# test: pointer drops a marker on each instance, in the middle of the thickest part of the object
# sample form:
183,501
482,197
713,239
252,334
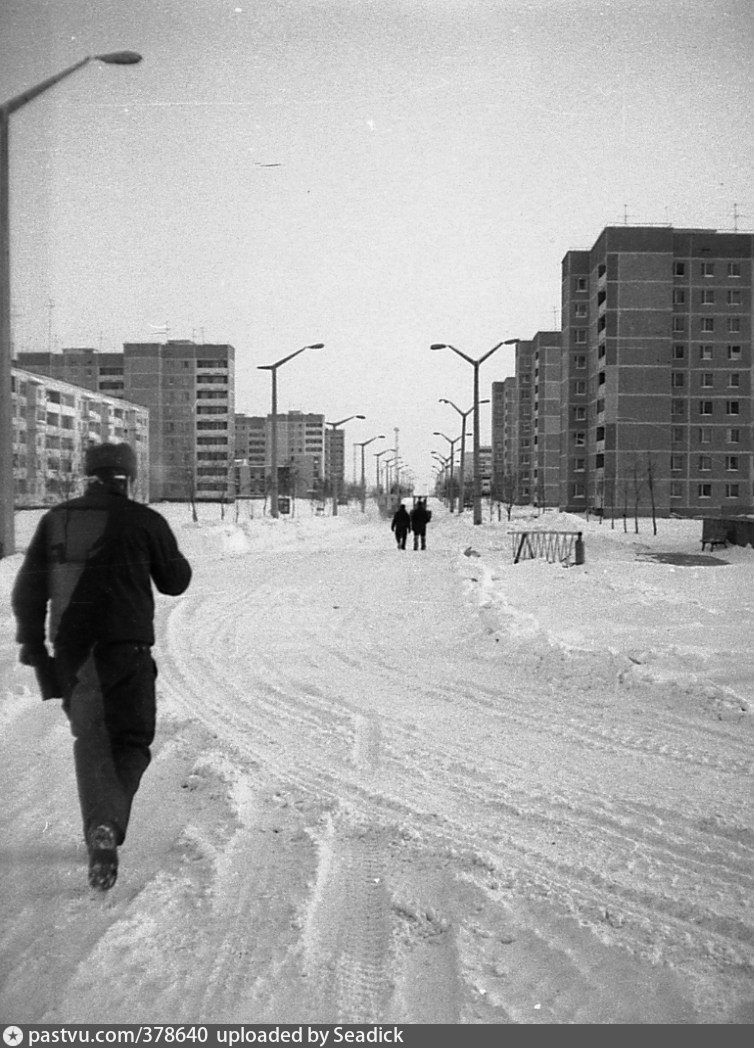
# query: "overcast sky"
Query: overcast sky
434,160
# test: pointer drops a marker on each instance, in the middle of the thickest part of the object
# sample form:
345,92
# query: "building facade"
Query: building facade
657,367
300,452
54,422
189,389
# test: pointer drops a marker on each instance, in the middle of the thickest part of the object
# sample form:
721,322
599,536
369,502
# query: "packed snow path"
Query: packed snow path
376,796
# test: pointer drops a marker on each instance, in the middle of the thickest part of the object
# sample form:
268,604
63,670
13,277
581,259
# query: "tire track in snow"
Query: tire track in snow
458,763
347,931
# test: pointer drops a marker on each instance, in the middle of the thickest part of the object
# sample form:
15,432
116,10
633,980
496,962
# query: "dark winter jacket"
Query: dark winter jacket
401,522
94,559
420,517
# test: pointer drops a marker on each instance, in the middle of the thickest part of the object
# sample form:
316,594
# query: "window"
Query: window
679,269
731,463
678,435
580,362
734,269
579,465
678,379
733,435
579,335
676,489
677,407
705,463
708,269
580,309
679,323
707,324
705,407
679,296
579,414
708,297
705,435
734,379
731,407
731,491
676,463
705,352
734,297
600,435
679,351
734,352
579,439
704,491
581,284
708,379
580,388
734,324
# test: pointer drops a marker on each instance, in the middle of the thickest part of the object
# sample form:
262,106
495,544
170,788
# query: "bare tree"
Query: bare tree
651,485
509,490
637,483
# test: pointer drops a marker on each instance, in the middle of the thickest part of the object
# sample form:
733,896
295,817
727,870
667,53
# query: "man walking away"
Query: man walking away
93,559
420,516
401,525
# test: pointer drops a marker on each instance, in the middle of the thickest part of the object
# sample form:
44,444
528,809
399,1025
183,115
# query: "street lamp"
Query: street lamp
333,478
378,456
476,365
7,529
273,368
462,469
362,444
452,460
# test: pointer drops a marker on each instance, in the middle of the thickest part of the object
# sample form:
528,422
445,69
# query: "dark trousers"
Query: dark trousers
400,537
420,536
109,698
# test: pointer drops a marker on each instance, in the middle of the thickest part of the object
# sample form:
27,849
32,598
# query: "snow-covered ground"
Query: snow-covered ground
406,787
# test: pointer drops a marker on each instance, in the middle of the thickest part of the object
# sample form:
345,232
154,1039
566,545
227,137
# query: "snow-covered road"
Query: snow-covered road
406,786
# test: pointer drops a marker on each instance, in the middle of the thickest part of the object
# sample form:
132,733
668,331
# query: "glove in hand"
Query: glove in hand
33,654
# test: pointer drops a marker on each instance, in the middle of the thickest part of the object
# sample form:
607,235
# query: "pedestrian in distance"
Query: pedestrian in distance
420,516
401,526
85,586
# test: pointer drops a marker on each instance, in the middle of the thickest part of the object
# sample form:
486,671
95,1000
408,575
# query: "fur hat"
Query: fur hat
114,458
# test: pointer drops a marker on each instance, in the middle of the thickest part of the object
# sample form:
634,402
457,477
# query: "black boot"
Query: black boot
103,857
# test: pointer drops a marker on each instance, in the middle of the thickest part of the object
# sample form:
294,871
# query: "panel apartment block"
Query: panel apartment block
546,421
53,424
189,391
657,323
300,451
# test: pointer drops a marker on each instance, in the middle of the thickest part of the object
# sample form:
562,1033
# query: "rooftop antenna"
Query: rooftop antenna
50,307
735,218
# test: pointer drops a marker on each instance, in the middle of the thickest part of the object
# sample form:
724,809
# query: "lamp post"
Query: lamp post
362,444
7,528
378,456
273,369
333,478
389,463
462,467
452,459
443,461
476,365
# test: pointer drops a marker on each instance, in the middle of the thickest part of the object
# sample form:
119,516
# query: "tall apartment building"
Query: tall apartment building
335,457
189,389
526,423
300,450
54,422
656,394
546,418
